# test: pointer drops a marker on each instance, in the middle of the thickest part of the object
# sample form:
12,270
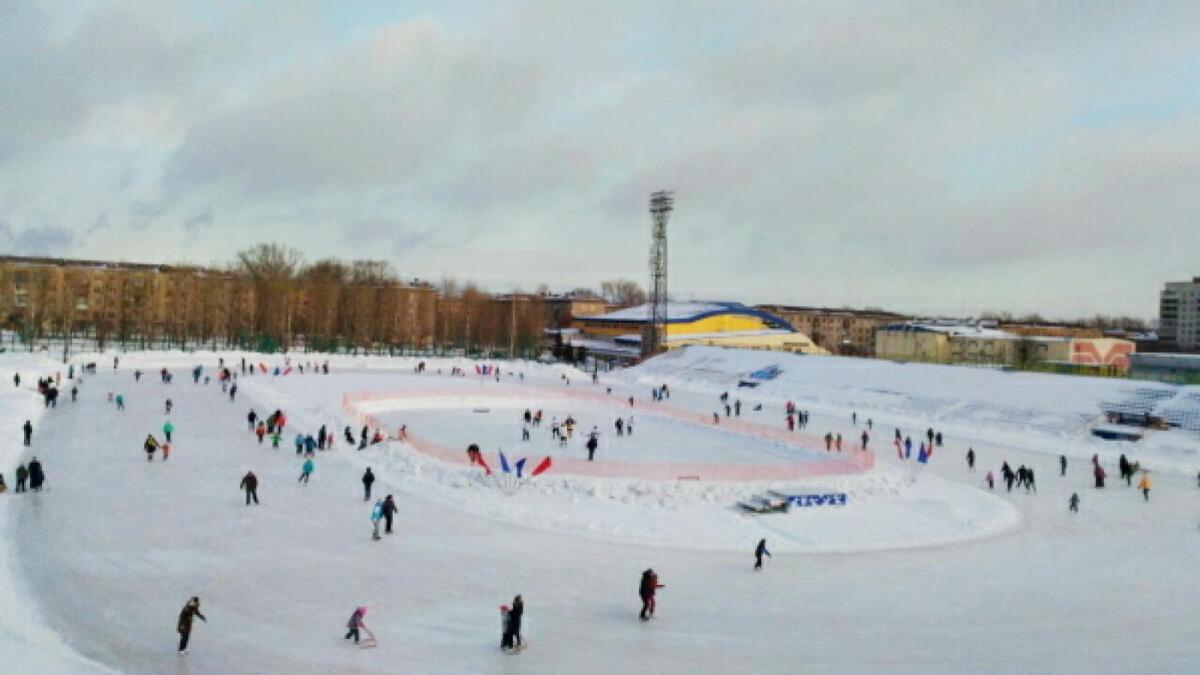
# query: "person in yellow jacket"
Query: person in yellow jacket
1144,486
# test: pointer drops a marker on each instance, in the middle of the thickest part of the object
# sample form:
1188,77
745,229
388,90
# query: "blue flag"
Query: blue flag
504,463
520,466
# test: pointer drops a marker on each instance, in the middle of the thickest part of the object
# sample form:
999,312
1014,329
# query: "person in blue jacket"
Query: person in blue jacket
376,516
299,443
306,471
759,551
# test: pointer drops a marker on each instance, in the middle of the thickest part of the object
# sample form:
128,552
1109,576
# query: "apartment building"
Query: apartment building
839,331
1179,315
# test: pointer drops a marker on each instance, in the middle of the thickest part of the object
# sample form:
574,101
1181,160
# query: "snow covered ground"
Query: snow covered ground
937,575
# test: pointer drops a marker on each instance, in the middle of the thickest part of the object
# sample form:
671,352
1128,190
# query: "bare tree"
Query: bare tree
622,292
272,268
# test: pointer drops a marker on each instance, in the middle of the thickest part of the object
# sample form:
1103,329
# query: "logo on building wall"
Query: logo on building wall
1091,352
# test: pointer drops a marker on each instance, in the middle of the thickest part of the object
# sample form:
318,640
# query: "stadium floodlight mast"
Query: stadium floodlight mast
661,205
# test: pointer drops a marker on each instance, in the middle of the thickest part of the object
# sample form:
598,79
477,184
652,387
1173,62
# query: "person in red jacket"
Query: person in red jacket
260,431
646,591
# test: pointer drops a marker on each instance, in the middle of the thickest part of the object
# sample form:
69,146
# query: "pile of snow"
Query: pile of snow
1053,414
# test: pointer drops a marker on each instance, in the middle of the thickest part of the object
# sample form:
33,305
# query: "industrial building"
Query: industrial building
985,344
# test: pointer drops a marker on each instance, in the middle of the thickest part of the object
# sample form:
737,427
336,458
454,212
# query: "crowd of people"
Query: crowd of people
384,511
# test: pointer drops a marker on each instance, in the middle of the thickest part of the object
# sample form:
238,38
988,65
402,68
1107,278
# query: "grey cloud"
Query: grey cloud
200,220
831,153
48,240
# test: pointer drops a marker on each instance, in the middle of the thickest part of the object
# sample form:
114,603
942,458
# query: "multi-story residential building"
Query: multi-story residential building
839,331
188,305
561,309
1179,315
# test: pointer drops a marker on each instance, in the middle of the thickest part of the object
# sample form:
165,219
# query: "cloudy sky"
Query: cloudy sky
938,157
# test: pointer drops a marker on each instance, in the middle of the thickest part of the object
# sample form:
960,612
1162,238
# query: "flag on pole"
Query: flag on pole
541,467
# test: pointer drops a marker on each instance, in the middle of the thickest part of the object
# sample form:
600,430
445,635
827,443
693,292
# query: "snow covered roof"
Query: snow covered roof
676,311
955,329
684,312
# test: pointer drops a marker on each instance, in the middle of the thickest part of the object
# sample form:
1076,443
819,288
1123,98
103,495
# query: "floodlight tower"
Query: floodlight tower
661,204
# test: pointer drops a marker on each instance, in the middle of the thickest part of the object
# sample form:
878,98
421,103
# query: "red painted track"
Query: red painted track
848,462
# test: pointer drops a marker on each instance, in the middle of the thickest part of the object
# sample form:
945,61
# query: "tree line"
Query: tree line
268,298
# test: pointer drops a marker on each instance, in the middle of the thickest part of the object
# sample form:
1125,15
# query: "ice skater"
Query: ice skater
190,611
250,485
970,459
389,511
759,552
592,443
376,516
28,429
356,624
511,641
167,429
1062,465
305,472
368,480
36,475
150,445
646,591
1073,504
1144,486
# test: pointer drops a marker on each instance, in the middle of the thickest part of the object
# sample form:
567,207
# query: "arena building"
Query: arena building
618,335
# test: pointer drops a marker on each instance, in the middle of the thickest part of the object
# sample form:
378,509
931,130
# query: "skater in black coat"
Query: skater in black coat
759,552
184,627
592,444
250,485
389,511
36,476
28,429
368,480
22,476
513,636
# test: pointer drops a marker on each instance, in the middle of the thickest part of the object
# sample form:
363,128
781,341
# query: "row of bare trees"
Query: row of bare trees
269,298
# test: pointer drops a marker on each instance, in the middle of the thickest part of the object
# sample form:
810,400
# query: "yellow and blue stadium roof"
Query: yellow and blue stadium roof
687,312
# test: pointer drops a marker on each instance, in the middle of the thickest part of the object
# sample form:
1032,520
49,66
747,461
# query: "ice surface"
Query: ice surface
936,576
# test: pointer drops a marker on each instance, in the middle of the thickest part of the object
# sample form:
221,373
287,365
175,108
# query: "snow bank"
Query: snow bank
1046,413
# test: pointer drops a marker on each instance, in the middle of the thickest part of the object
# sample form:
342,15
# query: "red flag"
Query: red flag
263,367
482,463
288,370
541,467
